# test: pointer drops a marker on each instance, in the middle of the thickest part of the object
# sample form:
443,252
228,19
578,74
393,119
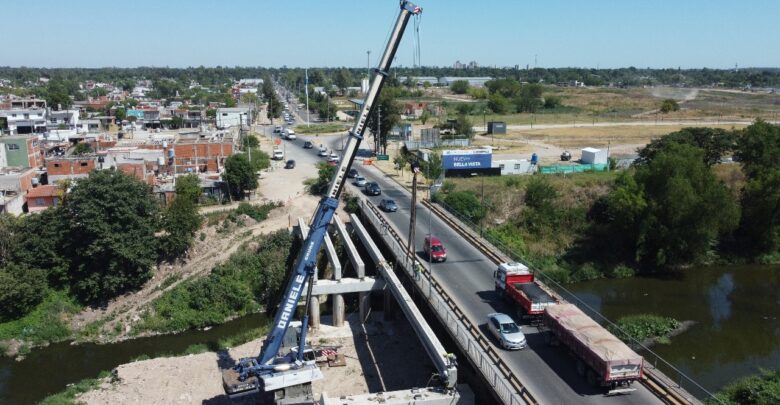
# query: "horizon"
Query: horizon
307,33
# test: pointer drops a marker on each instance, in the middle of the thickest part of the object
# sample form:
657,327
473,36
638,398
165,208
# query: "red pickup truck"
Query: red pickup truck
515,282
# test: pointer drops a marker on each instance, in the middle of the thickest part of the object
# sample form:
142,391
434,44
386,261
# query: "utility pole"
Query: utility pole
378,128
368,64
413,213
306,89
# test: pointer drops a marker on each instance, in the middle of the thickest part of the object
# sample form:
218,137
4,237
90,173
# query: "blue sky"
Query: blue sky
311,33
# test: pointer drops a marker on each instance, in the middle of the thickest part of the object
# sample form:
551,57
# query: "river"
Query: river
736,310
48,370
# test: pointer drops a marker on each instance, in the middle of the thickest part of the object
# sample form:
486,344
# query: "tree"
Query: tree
390,112
251,141
188,187
239,175
180,221
120,114
324,175
676,210
529,98
39,242
433,167
460,86
342,79
669,105
82,148
463,126
425,116
714,142
111,223
57,95
758,150
551,102
21,289
467,204
177,121
498,104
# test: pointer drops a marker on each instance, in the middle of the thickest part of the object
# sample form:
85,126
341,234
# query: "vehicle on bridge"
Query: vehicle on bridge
514,282
506,331
603,359
434,249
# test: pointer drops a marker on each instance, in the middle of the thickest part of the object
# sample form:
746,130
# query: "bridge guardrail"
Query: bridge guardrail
507,386
664,387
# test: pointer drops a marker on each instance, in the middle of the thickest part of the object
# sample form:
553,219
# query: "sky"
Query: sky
319,33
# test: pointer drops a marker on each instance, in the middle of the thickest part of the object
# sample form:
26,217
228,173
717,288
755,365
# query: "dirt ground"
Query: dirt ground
383,356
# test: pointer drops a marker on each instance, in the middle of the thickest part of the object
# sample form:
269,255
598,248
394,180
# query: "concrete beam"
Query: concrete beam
447,369
354,256
346,286
423,396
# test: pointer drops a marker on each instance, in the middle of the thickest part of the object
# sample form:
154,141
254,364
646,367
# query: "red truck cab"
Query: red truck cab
515,282
434,249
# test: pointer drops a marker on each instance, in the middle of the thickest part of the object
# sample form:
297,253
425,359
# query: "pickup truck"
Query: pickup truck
514,282
603,359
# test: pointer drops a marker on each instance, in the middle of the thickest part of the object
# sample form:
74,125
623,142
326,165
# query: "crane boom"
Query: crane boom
280,372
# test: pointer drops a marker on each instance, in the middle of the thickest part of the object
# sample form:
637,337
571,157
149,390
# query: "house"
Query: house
232,117
42,197
69,168
414,109
63,119
25,120
14,184
20,151
26,103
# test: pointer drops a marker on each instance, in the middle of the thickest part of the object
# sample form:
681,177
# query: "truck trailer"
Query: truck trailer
515,282
603,359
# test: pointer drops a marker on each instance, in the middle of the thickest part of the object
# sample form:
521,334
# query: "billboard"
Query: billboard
467,159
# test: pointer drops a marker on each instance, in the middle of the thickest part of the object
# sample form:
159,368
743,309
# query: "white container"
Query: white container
593,156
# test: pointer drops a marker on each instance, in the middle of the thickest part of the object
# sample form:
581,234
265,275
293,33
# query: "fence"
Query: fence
415,145
683,387
595,167
506,385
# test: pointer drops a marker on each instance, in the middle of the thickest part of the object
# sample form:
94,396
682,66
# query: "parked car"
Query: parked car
506,331
308,145
278,154
277,130
352,173
360,181
333,157
434,249
323,152
290,164
372,189
388,205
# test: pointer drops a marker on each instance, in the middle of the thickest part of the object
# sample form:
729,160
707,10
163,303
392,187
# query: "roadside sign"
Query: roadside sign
382,157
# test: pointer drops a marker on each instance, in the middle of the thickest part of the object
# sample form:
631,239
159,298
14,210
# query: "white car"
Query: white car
506,331
278,154
360,181
277,130
290,134
323,152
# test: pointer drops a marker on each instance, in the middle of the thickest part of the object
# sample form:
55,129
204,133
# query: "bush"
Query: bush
21,289
256,212
644,326
237,287
45,323
466,204
763,388
585,272
669,105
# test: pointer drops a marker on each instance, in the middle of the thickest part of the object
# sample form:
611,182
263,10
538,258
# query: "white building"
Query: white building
64,119
514,166
250,82
25,121
232,117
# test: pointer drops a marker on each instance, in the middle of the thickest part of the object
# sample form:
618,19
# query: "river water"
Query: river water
736,310
48,370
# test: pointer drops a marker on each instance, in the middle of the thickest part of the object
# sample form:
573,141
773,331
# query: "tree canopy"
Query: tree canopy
239,175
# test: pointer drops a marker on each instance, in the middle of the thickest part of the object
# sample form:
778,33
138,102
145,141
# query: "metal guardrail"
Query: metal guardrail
500,377
656,381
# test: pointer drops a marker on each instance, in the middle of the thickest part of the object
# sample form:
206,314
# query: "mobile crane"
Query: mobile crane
271,372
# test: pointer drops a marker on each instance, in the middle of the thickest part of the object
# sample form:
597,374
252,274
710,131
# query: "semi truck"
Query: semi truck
603,359
515,282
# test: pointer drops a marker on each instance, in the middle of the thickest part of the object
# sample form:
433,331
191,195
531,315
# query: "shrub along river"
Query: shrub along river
48,370
736,310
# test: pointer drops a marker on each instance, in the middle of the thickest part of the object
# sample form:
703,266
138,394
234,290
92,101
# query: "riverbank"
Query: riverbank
382,356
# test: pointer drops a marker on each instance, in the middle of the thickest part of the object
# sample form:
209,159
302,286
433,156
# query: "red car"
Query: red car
434,249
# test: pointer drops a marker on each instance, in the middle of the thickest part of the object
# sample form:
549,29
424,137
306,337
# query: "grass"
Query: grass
45,323
241,338
644,326
68,397
321,128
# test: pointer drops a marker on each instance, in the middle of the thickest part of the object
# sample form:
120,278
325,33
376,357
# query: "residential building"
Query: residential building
14,184
414,108
20,151
233,117
25,120
63,119
42,197
70,167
